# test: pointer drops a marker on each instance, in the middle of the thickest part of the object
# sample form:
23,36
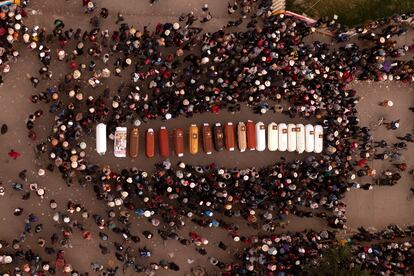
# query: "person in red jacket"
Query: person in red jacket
14,154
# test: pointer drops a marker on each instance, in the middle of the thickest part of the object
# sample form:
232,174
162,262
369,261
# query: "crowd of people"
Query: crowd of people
179,70
11,28
385,252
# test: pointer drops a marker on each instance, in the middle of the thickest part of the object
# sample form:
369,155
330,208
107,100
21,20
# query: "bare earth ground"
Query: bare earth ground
378,208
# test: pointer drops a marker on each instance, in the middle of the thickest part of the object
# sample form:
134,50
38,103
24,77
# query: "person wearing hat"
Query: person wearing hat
90,7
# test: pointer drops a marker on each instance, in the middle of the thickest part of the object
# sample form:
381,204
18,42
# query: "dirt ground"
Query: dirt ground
377,208
384,205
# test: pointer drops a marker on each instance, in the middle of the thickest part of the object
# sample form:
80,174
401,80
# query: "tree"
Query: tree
336,262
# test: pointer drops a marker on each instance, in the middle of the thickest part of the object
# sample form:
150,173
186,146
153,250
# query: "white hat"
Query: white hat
137,122
53,205
26,38
106,73
272,251
176,26
61,53
76,74
8,259
205,60
147,213
40,192
167,32
82,145
136,43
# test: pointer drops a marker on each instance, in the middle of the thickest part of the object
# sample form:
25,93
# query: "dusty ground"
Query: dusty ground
384,205
379,207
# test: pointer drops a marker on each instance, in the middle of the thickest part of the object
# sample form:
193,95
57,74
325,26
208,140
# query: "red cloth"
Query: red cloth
73,65
215,109
362,163
354,145
14,154
87,235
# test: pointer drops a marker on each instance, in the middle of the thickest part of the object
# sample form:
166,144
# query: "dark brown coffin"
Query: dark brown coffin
229,136
207,139
218,137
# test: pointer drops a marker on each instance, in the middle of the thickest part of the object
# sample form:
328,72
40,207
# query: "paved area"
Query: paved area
379,207
384,205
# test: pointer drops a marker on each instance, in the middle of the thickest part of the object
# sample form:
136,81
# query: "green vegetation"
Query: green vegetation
335,263
350,12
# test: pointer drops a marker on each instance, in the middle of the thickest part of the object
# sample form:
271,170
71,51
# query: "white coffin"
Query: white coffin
309,138
101,139
291,145
260,136
283,137
272,137
300,138
318,139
